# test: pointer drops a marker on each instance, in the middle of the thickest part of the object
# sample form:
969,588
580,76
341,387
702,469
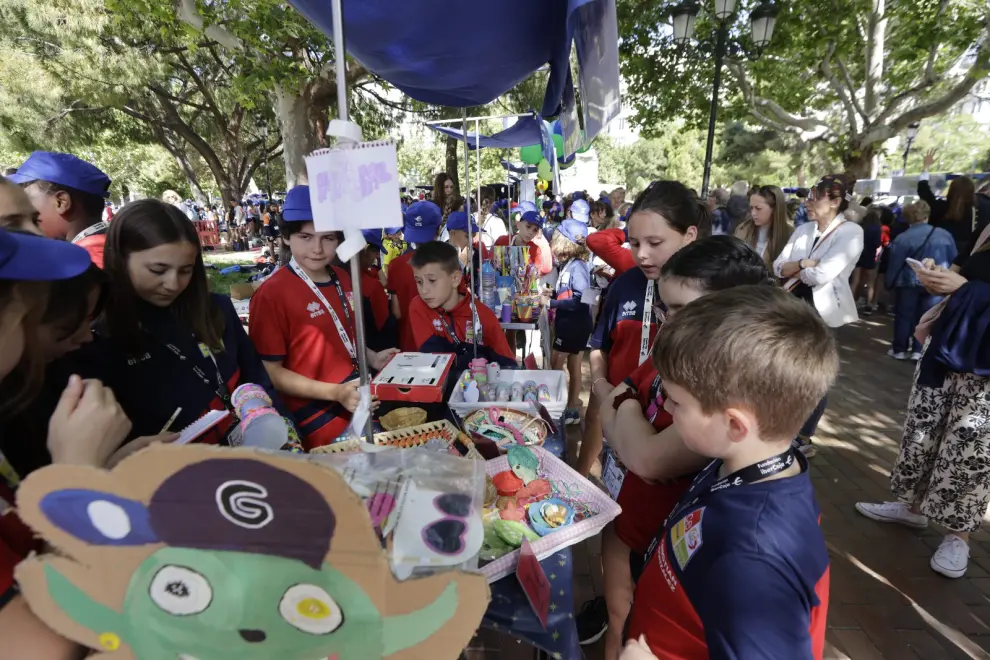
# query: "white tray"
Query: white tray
556,381
554,469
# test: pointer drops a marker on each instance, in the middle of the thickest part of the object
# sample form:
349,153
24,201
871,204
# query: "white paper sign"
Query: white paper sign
354,187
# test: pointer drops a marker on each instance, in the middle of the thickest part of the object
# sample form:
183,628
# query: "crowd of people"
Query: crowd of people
707,323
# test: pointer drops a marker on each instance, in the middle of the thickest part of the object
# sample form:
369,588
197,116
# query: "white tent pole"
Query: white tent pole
467,210
340,60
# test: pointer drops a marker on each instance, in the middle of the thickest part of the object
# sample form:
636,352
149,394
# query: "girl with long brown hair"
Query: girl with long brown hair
767,229
445,193
955,213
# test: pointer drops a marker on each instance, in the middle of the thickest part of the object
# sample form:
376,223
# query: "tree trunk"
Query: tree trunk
451,164
187,169
299,133
860,163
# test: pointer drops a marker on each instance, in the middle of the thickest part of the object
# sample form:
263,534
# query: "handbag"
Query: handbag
924,328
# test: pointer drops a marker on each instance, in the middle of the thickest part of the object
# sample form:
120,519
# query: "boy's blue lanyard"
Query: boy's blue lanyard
344,337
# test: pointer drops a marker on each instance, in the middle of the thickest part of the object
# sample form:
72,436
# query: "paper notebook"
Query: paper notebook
201,426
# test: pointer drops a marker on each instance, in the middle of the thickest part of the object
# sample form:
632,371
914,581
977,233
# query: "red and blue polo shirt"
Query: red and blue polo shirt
291,325
741,572
402,283
428,324
620,324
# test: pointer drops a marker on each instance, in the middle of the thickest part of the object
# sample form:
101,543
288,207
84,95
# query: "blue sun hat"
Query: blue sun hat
296,207
64,170
573,230
421,222
39,259
533,218
581,211
458,220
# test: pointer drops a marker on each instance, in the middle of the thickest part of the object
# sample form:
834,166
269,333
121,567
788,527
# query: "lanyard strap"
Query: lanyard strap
98,228
220,388
747,475
344,337
653,409
644,342
448,325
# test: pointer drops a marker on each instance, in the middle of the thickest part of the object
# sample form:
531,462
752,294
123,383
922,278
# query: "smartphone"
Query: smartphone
915,264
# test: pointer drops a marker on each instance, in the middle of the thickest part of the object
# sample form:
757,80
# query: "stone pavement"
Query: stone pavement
885,600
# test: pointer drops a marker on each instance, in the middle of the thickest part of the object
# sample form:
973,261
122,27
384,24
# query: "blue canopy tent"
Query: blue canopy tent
524,132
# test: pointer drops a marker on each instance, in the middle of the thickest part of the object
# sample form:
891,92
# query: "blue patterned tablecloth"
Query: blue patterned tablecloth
509,611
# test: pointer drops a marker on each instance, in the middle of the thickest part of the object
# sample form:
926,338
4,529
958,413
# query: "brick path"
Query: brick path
885,600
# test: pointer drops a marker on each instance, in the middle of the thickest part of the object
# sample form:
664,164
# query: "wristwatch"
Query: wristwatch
622,398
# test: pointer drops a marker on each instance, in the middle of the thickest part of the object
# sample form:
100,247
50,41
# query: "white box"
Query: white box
556,382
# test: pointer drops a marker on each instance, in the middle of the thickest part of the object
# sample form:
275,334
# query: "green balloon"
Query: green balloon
531,155
561,165
586,146
558,144
544,170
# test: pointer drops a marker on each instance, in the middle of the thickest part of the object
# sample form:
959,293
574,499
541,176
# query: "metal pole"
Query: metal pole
340,62
477,155
907,151
467,210
719,57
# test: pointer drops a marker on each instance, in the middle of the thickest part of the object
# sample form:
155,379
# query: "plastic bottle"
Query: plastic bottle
261,425
489,290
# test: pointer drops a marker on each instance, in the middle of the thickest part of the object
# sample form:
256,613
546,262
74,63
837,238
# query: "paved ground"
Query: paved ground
885,600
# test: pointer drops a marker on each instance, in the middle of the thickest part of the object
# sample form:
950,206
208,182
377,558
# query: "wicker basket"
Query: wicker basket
534,428
403,418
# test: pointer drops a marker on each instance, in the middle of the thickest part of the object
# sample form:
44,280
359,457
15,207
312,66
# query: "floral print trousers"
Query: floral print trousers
944,458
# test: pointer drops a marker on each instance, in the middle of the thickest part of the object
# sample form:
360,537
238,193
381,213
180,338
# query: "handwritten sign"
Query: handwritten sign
355,188
534,582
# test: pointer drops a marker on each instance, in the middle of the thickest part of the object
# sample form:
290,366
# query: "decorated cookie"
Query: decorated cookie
536,490
523,463
513,532
550,515
507,483
491,493
493,546
513,511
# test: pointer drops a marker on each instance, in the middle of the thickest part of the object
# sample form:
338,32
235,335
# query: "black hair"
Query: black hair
68,301
287,229
716,263
435,252
836,186
92,205
679,205
144,225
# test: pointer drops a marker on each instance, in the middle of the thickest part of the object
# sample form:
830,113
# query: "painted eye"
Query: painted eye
180,591
310,609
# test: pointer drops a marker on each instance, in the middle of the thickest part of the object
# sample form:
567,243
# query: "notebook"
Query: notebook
201,426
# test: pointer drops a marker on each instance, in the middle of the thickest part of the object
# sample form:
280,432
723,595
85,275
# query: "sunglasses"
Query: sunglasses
446,535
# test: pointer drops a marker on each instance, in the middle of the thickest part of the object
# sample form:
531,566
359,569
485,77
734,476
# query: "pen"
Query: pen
171,420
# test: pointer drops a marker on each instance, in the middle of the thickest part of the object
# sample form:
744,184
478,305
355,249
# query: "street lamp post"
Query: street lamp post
762,21
912,132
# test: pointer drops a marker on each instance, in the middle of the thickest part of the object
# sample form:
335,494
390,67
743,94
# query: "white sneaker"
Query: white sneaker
952,557
892,512
916,356
898,355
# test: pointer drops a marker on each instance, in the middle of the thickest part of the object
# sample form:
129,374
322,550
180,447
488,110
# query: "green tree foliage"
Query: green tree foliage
847,73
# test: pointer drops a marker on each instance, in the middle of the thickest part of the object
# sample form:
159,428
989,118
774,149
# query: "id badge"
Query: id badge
613,473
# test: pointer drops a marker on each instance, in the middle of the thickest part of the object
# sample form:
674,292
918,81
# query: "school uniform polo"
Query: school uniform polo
402,283
572,320
741,572
440,331
619,331
289,324
94,243
379,325
151,383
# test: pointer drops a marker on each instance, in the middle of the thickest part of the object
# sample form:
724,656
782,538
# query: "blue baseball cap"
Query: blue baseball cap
459,220
297,207
533,218
39,259
525,207
64,170
373,237
581,211
421,222
573,230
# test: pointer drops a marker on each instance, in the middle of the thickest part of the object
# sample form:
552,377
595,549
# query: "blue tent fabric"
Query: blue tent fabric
524,132
425,52
519,169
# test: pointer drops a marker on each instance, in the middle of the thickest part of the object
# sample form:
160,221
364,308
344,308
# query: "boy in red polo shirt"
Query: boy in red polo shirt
441,317
421,224
528,227
740,569
302,323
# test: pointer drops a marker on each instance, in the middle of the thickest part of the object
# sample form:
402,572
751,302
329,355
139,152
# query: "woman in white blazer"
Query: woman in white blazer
816,264
821,254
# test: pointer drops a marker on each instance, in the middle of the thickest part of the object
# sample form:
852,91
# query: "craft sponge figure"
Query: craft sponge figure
196,553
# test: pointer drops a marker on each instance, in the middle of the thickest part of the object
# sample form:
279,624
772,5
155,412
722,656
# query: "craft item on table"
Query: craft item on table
543,393
162,566
434,529
507,483
505,316
402,418
491,493
503,392
513,511
471,392
534,491
506,427
261,424
513,532
494,371
493,546
550,515
529,391
479,370
516,391
523,463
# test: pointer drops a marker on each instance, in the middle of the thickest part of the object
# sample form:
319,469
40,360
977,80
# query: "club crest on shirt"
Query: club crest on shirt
629,308
315,309
350,299
685,537
438,326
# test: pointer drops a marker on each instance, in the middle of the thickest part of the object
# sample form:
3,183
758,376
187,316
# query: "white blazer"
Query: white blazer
837,255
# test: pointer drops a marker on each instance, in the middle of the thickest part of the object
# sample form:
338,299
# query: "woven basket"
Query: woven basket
531,425
403,418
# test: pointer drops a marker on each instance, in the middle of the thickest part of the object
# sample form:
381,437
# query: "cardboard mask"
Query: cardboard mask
201,553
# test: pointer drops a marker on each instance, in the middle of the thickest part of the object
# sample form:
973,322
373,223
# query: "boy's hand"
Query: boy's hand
637,649
377,360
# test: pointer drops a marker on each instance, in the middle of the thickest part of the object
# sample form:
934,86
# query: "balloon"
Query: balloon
556,128
542,185
544,170
586,146
565,163
558,145
531,155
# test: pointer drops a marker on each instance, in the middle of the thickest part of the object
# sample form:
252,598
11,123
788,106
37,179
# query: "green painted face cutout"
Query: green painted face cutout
199,605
